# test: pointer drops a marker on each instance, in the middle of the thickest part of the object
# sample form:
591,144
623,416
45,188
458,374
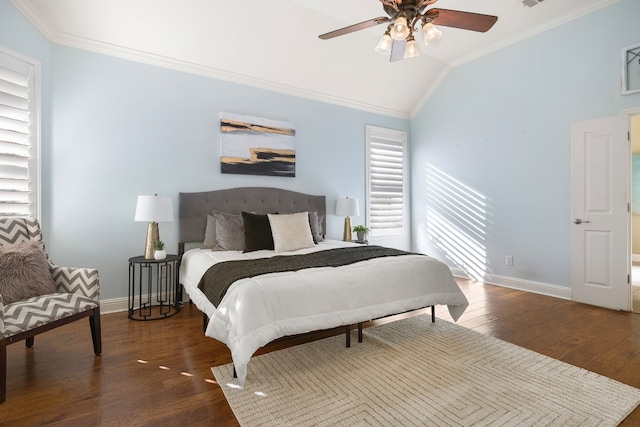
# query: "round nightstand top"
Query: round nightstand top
141,259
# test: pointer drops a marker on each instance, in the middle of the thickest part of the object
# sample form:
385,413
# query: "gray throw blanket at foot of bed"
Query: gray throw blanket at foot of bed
219,277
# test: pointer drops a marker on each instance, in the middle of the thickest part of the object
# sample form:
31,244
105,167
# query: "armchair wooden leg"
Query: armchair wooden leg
3,370
96,332
29,342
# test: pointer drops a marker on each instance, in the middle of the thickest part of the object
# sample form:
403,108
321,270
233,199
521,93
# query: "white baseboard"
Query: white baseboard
115,305
635,258
520,284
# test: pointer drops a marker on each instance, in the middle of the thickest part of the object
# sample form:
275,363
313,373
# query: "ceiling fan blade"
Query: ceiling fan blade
397,50
464,20
355,27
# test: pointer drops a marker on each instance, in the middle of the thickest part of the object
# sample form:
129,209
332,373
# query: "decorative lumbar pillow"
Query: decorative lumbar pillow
257,232
315,222
291,231
229,232
24,272
210,233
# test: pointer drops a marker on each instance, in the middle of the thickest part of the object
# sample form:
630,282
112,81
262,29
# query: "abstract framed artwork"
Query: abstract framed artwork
257,146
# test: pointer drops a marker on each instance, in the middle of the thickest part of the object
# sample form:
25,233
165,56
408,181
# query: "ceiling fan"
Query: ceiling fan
404,15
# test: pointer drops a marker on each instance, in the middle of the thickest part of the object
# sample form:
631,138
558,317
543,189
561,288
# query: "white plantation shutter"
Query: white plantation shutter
386,160
18,137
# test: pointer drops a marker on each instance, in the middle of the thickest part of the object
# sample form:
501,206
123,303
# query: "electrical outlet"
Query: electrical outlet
508,260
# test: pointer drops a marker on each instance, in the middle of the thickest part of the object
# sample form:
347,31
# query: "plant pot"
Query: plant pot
160,254
362,236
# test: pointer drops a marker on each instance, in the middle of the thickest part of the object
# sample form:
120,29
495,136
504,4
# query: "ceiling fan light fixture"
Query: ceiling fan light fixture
404,17
431,34
411,49
384,45
400,29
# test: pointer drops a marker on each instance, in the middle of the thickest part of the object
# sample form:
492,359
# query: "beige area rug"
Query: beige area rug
416,373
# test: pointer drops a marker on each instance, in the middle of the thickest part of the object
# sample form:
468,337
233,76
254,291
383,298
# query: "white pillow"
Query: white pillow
291,231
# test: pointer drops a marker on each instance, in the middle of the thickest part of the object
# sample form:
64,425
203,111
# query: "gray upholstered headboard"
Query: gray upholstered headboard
194,207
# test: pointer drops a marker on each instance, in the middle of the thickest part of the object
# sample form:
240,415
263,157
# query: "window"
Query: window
19,139
386,170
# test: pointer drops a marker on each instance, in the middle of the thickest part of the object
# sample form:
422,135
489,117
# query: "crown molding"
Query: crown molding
34,17
53,36
108,49
202,70
561,19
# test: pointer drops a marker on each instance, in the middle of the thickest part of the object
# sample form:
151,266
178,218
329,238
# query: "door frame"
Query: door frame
630,113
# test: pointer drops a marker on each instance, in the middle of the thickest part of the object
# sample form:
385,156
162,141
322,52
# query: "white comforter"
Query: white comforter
257,310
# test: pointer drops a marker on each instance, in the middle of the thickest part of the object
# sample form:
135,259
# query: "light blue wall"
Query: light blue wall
499,127
120,129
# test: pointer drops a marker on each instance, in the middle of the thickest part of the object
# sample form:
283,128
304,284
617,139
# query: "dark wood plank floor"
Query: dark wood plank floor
158,372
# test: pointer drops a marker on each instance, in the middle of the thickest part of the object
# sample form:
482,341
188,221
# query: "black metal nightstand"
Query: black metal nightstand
144,273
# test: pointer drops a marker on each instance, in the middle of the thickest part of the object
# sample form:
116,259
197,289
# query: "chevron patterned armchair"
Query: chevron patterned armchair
26,310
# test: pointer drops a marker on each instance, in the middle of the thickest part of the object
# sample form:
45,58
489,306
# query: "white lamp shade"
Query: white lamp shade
154,209
347,207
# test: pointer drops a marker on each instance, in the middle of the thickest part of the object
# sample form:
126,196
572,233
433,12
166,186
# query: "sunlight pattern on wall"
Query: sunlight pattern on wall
457,217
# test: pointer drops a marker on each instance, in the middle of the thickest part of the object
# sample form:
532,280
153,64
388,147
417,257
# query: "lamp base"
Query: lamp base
153,235
346,235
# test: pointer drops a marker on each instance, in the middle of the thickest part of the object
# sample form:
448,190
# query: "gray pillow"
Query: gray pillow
315,222
24,272
229,232
210,233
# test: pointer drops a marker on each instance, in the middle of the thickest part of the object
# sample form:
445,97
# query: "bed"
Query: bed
256,310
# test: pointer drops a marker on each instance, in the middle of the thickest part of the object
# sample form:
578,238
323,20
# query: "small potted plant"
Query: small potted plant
160,253
361,231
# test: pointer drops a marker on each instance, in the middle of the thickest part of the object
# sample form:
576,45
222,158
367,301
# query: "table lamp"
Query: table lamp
347,207
153,209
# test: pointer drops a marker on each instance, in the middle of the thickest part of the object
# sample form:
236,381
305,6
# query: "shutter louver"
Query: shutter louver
386,182
15,139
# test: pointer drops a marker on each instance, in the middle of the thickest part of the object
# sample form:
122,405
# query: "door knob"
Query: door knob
580,221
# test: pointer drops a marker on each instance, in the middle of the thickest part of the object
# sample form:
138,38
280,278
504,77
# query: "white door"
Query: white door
600,260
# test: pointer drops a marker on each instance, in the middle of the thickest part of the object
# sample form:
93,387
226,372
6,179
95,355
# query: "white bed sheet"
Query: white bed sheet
256,311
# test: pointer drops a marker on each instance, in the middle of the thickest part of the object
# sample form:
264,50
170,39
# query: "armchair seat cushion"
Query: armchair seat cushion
24,315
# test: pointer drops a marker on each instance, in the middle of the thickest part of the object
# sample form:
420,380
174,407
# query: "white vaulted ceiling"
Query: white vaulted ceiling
274,44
